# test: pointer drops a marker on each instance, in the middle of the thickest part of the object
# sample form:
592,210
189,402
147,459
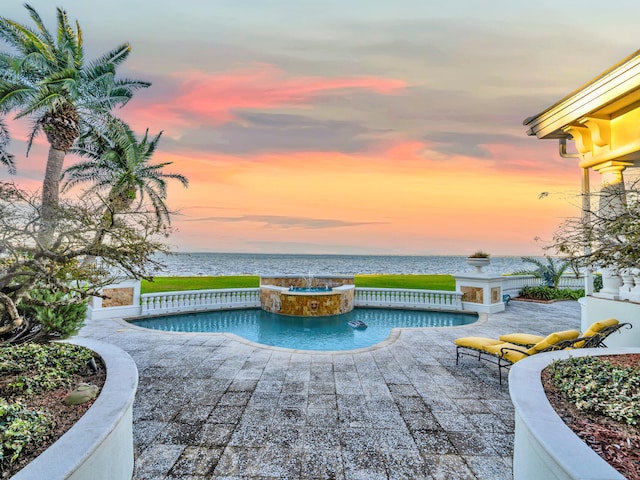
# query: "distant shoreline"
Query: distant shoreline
215,264
452,255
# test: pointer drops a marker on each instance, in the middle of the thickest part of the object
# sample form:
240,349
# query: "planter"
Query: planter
478,262
544,447
100,445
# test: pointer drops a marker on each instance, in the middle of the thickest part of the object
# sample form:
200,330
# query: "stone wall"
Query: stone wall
118,297
310,305
472,294
307,304
496,294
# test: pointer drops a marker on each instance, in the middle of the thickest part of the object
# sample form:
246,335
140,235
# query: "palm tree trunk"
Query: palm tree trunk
51,190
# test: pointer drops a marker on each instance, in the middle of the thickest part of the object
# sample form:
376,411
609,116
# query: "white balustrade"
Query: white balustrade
199,300
514,283
220,299
408,298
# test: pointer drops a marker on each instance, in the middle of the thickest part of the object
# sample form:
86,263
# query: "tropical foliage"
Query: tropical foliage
47,79
549,271
117,166
6,158
543,292
56,253
27,267
596,385
25,370
58,313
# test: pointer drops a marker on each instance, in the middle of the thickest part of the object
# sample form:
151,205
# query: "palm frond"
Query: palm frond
44,32
35,129
114,57
49,72
6,158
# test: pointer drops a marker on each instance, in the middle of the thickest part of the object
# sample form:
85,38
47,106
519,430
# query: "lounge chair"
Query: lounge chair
504,354
593,337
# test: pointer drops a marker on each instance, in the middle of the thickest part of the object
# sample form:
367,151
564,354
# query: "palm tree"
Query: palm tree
5,157
118,164
550,273
48,81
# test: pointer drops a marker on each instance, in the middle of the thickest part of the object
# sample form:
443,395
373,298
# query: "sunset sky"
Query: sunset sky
353,126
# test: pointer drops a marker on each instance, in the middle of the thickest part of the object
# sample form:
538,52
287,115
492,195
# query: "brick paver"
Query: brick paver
211,406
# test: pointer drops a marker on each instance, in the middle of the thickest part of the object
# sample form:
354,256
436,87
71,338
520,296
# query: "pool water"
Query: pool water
306,333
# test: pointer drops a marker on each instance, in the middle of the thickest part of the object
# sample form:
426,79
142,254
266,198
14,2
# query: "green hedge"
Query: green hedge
549,293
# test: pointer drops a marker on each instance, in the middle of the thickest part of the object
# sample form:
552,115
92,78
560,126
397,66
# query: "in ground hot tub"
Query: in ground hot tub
307,296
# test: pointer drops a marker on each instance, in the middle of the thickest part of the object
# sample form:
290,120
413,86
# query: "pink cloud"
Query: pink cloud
215,96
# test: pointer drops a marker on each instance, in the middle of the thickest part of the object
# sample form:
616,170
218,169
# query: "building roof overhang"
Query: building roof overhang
612,93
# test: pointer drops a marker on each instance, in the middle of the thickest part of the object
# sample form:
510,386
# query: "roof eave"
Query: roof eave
603,90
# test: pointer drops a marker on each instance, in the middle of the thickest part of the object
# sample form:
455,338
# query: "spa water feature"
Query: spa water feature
307,296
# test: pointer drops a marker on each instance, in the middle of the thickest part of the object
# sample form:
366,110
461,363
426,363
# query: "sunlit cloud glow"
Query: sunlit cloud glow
352,127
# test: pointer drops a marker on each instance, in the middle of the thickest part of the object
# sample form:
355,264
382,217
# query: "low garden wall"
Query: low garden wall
100,445
544,446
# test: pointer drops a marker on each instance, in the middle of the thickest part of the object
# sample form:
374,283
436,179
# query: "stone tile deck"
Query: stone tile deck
210,406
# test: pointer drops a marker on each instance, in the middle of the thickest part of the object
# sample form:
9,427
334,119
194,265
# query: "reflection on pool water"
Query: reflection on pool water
307,333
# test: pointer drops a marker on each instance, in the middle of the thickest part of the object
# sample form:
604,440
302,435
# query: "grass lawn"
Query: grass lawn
424,282
173,284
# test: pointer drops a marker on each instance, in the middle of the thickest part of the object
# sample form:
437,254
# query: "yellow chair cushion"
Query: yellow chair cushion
515,352
597,327
521,338
479,343
553,339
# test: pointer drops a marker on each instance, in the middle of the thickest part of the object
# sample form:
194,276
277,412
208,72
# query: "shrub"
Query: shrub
58,317
20,428
597,282
543,292
479,254
597,385
33,368
29,369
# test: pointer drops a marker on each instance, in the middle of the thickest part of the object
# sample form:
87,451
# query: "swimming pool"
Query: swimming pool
306,333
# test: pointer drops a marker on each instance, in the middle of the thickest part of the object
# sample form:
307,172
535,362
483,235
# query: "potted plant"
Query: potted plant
478,260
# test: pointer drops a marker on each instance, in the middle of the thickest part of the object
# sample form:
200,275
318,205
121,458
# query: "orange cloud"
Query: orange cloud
398,197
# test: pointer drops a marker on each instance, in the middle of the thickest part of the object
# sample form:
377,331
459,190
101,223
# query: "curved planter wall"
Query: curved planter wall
544,447
100,445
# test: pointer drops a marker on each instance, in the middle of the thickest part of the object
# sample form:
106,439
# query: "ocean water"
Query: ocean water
213,264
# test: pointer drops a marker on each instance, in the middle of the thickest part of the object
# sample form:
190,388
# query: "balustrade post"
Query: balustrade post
627,283
611,283
634,294
143,305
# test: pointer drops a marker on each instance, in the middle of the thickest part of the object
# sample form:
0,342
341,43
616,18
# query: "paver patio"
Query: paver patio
210,406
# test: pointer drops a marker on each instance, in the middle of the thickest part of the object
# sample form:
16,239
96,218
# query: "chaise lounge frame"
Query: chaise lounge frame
592,341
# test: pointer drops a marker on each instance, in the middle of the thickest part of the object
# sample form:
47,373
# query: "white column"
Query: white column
612,201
